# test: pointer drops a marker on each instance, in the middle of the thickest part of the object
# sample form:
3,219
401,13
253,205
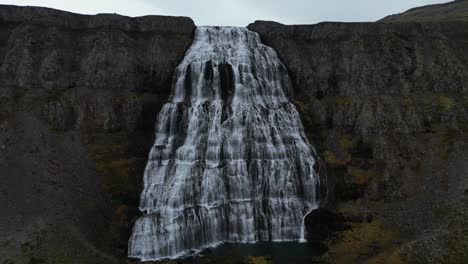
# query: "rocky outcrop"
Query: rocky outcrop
386,105
79,97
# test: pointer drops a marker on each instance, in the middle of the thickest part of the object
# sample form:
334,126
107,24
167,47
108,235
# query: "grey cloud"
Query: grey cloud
243,12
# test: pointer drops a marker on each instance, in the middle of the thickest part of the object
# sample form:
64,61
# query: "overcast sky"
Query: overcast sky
240,12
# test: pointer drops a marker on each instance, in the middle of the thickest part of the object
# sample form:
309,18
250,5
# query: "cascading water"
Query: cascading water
230,162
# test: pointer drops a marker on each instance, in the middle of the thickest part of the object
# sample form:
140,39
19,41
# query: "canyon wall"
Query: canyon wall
385,104
79,98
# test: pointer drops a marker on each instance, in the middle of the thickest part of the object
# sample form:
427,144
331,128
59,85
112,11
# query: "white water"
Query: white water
230,162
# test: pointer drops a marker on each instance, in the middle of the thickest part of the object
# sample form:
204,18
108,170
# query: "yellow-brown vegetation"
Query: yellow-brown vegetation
359,242
334,160
445,101
257,260
361,176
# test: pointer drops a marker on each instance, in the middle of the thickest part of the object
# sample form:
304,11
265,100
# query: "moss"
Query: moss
360,243
450,135
301,107
445,102
101,149
334,160
416,167
116,175
100,120
346,142
115,168
56,131
257,260
119,162
445,155
107,138
408,101
126,97
352,214
361,176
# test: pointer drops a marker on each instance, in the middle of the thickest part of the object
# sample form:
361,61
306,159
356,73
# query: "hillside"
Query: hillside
452,11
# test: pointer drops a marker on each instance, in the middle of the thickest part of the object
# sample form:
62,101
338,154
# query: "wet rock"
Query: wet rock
322,224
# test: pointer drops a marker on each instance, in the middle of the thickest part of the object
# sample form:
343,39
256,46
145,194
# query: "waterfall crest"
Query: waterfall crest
230,161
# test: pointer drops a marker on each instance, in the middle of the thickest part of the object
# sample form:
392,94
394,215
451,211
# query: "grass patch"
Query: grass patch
445,102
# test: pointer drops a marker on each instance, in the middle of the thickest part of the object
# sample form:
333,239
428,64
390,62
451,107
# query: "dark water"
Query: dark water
272,252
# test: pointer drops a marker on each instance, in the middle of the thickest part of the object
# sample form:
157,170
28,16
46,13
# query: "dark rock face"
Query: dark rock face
78,101
50,49
371,59
385,105
322,224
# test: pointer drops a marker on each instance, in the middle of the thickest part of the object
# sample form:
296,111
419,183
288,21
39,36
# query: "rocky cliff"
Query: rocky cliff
79,96
386,106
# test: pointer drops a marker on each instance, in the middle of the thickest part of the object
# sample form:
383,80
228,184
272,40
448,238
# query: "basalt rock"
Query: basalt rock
79,97
385,105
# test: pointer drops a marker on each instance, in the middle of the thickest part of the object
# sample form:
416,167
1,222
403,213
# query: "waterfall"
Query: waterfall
230,161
